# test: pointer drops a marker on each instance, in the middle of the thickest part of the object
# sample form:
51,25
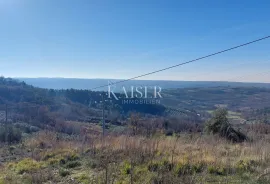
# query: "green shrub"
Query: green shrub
216,170
163,165
188,168
26,165
242,165
166,165
197,168
219,124
26,127
93,163
62,161
73,164
64,173
72,157
48,156
182,169
83,178
53,161
126,168
10,134
60,157
153,166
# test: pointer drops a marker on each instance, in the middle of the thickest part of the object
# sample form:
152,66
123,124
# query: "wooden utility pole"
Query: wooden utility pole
103,116
6,113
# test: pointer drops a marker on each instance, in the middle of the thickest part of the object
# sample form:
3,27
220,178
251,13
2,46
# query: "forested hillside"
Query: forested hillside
13,92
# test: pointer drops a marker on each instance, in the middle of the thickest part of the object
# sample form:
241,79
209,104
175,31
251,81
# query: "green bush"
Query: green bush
219,124
26,165
73,164
72,157
64,172
197,168
216,170
10,134
26,127
166,165
48,156
242,165
83,178
163,165
188,168
126,168
62,161
153,166
182,169
93,163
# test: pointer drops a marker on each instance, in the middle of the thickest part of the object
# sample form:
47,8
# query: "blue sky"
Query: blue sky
122,39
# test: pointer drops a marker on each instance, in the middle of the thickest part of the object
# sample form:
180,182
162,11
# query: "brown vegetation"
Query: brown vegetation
185,158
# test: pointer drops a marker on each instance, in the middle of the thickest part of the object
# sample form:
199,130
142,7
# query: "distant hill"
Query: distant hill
16,93
67,83
188,102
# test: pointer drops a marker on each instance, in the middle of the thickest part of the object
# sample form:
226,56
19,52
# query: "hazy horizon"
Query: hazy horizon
101,84
118,79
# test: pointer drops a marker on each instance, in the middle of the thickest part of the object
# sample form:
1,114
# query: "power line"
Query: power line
187,62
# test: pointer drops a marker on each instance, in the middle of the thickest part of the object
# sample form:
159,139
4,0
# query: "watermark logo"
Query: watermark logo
135,94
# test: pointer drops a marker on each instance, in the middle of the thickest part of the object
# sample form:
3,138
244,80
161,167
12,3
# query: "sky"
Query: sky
120,39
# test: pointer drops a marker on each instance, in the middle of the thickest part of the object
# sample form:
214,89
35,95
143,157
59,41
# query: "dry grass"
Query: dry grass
199,159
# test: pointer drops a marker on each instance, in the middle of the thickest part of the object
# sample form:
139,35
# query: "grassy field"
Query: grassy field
49,157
